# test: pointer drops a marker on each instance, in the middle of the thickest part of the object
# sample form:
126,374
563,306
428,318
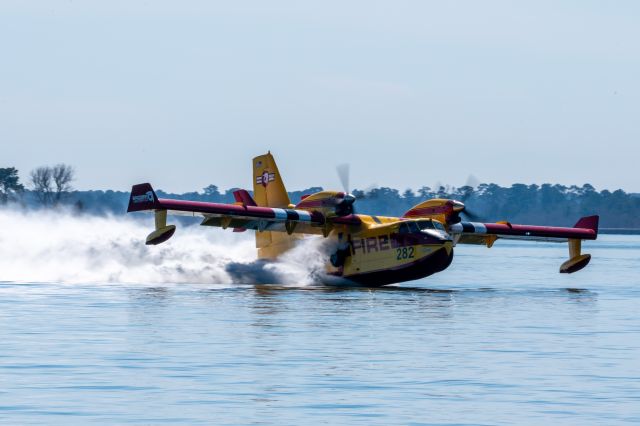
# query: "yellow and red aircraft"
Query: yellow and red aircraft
369,250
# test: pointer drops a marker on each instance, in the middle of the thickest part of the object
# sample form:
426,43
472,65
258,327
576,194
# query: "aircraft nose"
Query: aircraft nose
448,246
458,206
349,199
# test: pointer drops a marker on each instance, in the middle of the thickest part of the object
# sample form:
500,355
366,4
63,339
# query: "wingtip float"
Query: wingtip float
370,250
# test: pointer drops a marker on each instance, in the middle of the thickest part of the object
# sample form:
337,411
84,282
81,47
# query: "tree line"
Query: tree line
50,185
547,204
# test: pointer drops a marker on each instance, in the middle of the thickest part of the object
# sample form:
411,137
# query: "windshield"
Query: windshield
425,224
404,228
409,227
421,225
430,224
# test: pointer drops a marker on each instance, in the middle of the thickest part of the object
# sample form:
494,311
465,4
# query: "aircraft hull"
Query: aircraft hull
436,262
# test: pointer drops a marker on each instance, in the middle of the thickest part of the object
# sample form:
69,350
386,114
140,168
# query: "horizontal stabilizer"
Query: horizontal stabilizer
242,196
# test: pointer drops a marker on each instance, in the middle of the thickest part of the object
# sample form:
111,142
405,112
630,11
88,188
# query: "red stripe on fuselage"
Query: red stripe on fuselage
310,204
351,219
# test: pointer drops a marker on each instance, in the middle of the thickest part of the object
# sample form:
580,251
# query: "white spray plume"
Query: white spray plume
55,246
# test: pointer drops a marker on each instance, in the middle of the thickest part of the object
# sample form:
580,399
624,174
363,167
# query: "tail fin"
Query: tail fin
268,188
142,197
589,222
269,191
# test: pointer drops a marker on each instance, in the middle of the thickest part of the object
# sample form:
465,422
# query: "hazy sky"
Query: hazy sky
184,93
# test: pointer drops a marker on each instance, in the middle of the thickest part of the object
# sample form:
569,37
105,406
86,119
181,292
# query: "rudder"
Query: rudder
269,191
268,188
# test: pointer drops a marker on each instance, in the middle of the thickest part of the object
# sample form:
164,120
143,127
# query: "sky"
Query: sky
183,94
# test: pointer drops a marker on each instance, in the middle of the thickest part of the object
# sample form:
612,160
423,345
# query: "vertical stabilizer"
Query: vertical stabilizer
269,191
268,188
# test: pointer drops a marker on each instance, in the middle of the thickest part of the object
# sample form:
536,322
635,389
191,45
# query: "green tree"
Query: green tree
10,185
409,194
425,192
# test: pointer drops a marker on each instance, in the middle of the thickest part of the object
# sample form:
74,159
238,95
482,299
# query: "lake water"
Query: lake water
498,338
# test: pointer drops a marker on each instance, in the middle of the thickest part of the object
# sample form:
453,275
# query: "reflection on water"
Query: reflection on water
477,344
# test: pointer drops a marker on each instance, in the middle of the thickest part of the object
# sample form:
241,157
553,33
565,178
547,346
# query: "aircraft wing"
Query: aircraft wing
487,233
240,216
479,233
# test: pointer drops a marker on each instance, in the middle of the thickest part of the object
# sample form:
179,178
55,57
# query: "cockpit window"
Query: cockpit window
404,228
430,224
411,227
425,224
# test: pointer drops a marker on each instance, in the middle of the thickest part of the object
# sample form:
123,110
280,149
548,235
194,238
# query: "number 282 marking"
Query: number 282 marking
404,253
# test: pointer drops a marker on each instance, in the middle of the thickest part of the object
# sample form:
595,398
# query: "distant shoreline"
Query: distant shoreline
619,231
545,205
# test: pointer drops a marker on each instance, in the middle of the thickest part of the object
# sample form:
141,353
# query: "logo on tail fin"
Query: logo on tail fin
144,198
265,178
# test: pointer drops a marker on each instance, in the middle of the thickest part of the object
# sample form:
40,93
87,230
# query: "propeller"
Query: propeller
472,181
343,174
346,205
470,216
463,213
468,190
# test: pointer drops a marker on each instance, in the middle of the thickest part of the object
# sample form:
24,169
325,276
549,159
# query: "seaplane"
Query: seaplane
365,249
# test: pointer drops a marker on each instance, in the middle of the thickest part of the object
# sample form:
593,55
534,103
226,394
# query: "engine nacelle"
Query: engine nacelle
329,203
440,209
